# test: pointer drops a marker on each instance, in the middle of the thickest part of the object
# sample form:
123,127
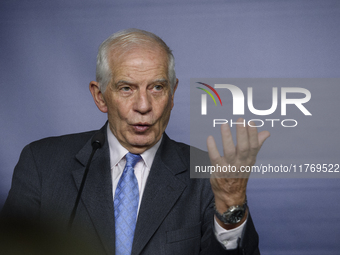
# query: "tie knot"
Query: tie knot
132,159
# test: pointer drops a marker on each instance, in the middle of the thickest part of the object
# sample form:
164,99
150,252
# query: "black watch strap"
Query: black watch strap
233,215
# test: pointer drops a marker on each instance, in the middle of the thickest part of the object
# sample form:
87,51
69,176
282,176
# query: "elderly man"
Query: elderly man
138,197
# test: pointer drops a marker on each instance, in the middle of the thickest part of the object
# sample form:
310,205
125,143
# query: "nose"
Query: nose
142,103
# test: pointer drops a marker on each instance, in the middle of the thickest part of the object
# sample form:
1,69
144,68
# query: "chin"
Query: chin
143,141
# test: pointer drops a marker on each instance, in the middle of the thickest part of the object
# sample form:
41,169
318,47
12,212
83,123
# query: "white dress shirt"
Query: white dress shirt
228,238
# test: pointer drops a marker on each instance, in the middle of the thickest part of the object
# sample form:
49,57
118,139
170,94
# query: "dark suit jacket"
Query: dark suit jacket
175,217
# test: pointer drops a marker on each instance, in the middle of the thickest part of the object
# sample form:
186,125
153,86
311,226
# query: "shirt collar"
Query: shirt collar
117,151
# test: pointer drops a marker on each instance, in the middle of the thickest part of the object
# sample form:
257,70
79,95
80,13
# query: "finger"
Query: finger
228,143
242,140
214,155
253,139
262,136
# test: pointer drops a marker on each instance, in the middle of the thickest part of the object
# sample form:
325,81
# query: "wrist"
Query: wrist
231,214
224,203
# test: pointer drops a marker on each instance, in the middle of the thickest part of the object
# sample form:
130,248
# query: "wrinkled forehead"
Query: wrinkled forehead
120,56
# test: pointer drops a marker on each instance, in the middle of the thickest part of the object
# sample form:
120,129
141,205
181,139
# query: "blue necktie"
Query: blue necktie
126,205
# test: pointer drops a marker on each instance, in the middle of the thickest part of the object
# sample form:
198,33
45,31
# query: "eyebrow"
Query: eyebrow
131,83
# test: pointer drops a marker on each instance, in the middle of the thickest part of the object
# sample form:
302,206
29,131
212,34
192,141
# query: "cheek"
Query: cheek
165,111
118,109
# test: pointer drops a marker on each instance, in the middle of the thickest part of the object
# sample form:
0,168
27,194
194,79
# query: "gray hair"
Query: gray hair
126,39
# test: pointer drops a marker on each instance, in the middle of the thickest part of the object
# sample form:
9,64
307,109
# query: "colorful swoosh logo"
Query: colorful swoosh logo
208,92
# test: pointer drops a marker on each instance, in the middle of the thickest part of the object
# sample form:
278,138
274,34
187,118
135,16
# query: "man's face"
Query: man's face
139,99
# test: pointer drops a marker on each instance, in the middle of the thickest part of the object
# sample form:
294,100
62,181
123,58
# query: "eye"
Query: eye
158,87
125,89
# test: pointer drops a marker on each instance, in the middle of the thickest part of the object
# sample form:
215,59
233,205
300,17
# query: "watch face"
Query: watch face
233,215
236,216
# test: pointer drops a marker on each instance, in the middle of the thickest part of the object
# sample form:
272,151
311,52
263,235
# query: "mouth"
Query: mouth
141,127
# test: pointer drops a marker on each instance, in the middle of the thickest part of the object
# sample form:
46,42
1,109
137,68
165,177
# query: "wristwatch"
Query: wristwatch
233,215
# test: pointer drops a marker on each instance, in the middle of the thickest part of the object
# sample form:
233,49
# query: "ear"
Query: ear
98,96
173,94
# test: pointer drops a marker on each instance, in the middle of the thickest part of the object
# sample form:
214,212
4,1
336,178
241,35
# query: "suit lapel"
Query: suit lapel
162,191
97,194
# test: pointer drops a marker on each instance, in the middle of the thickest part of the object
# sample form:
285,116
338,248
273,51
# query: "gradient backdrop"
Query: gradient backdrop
48,55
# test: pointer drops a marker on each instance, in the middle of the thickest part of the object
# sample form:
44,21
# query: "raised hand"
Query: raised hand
230,187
